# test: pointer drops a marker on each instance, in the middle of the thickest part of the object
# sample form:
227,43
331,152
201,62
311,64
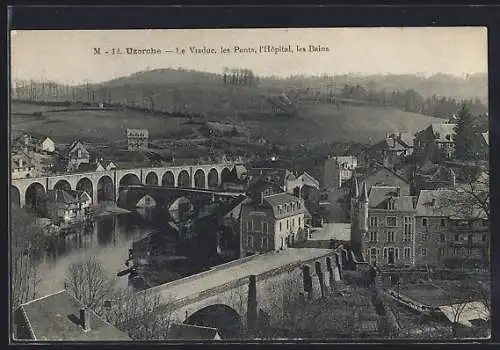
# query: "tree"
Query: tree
88,281
466,140
143,315
26,240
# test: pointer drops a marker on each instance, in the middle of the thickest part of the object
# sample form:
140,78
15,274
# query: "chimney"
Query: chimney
85,319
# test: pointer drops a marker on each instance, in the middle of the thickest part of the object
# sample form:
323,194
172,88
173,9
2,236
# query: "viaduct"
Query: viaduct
238,296
105,185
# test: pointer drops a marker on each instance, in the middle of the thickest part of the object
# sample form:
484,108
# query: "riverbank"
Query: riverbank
108,210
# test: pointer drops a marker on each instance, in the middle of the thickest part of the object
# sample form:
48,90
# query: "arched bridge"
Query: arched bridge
236,296
130,195
105,185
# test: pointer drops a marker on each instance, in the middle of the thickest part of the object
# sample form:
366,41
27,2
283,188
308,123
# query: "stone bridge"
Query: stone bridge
130,195
105,185
237,296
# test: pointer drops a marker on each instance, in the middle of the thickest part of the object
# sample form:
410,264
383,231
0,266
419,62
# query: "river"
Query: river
109,241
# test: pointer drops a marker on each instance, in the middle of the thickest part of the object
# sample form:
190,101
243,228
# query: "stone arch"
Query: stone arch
213,178
129,179
84,184
199,179
307,280
151,178
36,198
62,185
105,189
220,316
15,195
225,175
183,180
168,179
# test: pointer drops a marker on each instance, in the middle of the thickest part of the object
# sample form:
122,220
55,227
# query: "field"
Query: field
92,126
314,123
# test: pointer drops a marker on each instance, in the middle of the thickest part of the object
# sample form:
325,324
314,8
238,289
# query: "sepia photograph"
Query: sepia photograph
274,184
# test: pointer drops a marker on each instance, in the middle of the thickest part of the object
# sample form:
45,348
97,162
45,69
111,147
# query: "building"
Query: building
277,176
191,332
271,223
392,150
67,205
46,144
137,139
384,225
450,228
338,170
61,317
435,138
75,155
435,227
307,188
22,167
433,177
383,176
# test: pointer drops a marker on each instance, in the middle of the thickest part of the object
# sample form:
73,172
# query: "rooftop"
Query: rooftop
447,203
380,195
255,265
57,317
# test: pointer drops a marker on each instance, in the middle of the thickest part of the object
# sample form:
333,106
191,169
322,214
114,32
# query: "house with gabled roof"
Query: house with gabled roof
436,137
61,317
75,154
67,205
272,223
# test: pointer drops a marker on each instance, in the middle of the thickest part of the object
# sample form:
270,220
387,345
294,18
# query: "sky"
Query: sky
68,56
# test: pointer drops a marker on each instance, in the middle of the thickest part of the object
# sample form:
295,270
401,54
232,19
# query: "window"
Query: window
396,252
299,221
425,237
443,222
281,228
279,210
391,221
385,252
390,204
441,252
442,238
298,205
484,238
457,237
424,222
264,227
407,252
250,241
292,206
250,225
408,228
373,236
390,236
424,252
264,242
373,221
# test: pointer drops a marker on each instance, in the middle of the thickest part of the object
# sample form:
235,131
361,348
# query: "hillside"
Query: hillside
314,123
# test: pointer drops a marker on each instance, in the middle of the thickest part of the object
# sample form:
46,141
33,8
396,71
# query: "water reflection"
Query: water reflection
109,239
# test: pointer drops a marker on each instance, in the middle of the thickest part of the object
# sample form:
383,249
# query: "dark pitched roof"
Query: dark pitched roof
192,332
57,317
63,196
380,195
87,167
280,199
380,168
447,203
